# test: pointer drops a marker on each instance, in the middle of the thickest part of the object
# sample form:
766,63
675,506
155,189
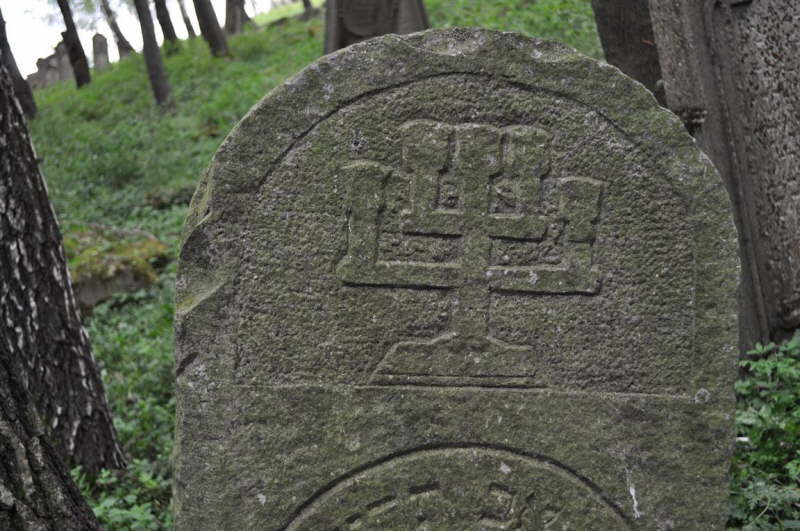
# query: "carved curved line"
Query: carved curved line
344,481
512,83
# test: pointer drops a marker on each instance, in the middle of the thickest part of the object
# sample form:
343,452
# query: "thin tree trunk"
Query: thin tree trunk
164,20
628,42
77,58
308,10
123,46
235,16
186,20
21,87
209,28
36,491
152,56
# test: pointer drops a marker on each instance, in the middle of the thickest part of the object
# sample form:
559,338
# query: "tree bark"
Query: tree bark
40,315
21,87
36,491
209,28
77,58
628,42
186,20
308,10
731,71
152,55
164,20
123,46
235,16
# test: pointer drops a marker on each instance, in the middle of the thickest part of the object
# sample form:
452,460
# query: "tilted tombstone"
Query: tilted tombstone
350,21
459,280
100,51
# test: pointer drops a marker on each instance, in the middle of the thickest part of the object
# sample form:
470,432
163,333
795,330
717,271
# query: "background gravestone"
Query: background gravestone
100,51
63,66
731,69
471,281
350,21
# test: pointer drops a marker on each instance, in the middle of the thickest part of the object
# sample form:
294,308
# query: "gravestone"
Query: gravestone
731,69
100,51
350,21
63,68
459,280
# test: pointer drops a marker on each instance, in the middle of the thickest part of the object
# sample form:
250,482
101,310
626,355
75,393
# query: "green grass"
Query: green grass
112,157
284,11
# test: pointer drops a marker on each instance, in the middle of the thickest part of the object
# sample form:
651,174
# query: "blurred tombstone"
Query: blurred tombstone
62,64
351,21
100,51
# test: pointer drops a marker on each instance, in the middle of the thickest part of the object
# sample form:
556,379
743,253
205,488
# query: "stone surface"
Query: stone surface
350,21
100,51
104,261
730,69
52,69
456,280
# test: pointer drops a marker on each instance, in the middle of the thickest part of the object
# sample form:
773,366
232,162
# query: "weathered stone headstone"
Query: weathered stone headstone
731,69
456,280
100,51
350,21
63,66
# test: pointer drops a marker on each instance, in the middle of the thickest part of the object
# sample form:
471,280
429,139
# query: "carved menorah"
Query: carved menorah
499,197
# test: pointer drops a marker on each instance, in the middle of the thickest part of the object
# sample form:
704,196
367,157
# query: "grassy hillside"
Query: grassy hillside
112,158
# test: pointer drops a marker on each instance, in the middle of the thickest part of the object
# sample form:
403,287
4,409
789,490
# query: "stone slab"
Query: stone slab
461,279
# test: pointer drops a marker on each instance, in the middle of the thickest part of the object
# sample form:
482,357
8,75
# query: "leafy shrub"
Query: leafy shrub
766,468
132,499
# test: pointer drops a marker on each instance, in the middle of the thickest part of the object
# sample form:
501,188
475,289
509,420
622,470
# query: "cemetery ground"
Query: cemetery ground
112,158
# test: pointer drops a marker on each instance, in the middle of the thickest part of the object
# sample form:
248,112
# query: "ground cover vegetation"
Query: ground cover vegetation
113,158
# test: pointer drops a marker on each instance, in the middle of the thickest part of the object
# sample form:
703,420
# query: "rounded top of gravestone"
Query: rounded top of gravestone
414,198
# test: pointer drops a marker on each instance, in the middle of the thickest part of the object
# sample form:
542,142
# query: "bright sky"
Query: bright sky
31,35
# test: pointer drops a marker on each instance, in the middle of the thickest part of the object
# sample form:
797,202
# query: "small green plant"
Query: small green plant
766,467
131,499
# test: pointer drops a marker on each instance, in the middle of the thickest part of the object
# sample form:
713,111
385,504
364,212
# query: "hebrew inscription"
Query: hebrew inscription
467,489
490,190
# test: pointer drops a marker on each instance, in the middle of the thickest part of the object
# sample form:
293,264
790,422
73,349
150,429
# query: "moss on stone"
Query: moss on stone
103,260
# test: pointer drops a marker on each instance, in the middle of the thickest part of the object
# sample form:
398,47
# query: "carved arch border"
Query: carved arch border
345,481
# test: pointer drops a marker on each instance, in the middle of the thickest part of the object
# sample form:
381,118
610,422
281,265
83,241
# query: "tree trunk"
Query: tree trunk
164,20
308,10
235,16
40,313
186,20
628,42
77,58
36,491
46,369
123,46
209,28
731,71
21,87
152,55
